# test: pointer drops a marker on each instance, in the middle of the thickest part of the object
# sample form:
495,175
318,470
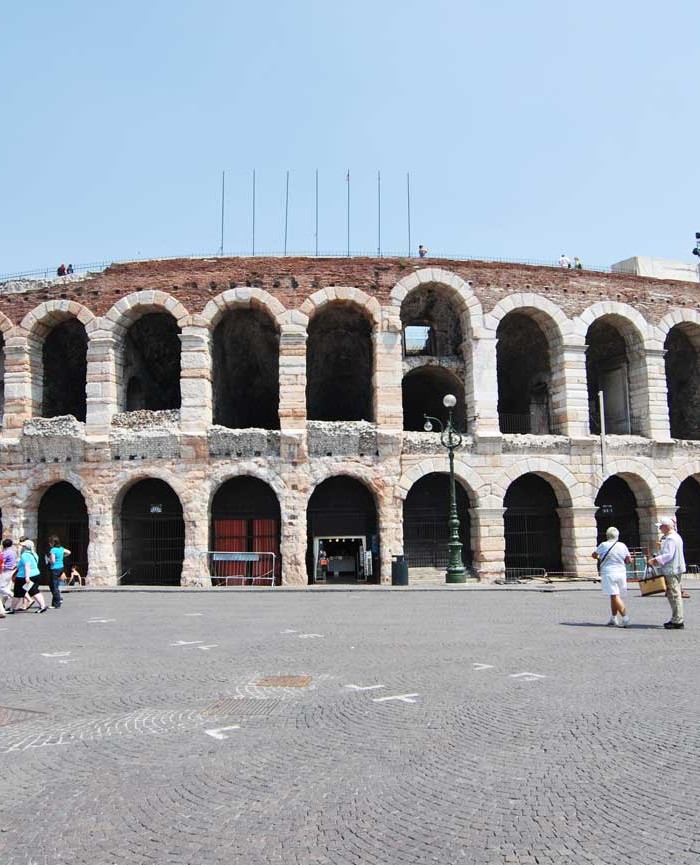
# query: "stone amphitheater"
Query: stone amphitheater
157,412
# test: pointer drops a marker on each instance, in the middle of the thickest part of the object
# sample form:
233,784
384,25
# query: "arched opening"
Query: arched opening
339,365
615,366
617,506
422,392
688,519
426,530
64,365
531,528
431,323
524,376
152,535
342,523
682,361
62,512
151,366
2,379
245,518
246,370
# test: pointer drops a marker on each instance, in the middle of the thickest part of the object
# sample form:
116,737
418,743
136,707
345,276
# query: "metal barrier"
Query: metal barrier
239,568
514,575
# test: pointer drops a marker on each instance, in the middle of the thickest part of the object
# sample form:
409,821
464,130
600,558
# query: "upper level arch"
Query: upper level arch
460,292
369,306
244,297
133,306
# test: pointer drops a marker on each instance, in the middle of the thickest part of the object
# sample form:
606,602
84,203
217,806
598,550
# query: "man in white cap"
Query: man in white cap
670,562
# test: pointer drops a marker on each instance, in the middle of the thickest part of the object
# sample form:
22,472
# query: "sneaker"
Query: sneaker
625,622
673,626
42,609
612,622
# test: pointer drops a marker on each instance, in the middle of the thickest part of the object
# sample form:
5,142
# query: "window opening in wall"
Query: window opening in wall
152,363
688,519
426,530
682,360
418,339
339,360
152,539
608,369
524,376
2,379
343,509
422,392
62,512
245,517
64,365
531,528
617,506
246,370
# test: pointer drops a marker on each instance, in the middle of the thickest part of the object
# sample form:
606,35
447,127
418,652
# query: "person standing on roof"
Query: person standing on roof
564,261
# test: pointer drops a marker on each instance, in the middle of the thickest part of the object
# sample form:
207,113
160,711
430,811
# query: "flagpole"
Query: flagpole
316,235
286,213
408,212
253,211
348,180
223,196
379,214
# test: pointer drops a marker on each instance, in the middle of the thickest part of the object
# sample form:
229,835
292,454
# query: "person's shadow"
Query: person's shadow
632,627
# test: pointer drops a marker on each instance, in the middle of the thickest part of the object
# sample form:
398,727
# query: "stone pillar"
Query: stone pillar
196,518
101,385
570,392
388,369
18,392
293,530
390,520
482,397
102,559
488,543
13,518
195,379
292,385
578,540
657,423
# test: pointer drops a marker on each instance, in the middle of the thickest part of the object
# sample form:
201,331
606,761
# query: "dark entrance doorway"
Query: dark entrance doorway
245,517
342,510
617,506
531,527
62,512
153,535
688,519
426,530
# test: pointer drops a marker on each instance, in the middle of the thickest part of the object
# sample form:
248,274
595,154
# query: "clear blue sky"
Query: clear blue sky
529,128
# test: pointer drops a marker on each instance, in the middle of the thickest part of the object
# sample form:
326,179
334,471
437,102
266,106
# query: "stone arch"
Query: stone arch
556,326
244,297
637,325
223,474
471,481
680,331
6,328
131,307
534,525
353,296
570,492
469,306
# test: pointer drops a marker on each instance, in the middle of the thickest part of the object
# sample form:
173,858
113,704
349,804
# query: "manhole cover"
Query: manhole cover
241,706
9,715
284,682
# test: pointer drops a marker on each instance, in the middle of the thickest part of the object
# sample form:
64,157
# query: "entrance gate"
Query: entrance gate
153,535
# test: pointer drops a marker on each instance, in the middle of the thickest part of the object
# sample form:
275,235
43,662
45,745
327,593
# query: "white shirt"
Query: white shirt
614,564
564,262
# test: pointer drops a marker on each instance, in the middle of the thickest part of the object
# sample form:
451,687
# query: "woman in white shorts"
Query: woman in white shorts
612,555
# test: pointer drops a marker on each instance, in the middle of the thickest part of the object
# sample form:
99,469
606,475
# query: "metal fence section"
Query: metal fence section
239,568
96,267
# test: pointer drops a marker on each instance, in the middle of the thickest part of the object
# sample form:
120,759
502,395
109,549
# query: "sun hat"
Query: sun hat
665,521
28,544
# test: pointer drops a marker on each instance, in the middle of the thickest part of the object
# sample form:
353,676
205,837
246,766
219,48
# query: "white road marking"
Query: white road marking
403,698
307,636
193,614
483,666
364,687
289,631
55,654
187,642
206,648
527,677
99,621
218,732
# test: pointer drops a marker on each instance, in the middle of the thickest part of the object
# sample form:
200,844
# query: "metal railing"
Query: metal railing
98,266
521,424
622,425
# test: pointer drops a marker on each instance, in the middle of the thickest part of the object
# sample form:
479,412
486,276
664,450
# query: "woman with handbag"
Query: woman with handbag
611,557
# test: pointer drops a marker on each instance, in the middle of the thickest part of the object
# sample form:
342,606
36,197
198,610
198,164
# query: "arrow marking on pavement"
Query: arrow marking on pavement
483,666
206,648
219,732
187,642
55,654
403,698
364,687
527,677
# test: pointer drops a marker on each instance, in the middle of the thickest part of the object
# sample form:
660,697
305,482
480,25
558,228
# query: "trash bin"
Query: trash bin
399,571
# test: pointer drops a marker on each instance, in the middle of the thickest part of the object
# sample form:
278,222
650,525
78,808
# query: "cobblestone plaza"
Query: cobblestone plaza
479,725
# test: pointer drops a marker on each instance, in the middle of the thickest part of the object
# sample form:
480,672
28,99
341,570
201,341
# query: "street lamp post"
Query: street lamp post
451,439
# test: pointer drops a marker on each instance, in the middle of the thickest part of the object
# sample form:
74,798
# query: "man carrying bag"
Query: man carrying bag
670,562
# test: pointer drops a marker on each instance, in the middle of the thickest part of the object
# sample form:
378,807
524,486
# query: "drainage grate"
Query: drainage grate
284,682
241,706
8,715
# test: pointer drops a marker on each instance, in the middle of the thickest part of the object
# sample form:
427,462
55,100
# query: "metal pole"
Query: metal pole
286,213
408,201
253,211
456,572
316,235
379,214
603,455
223,196
348,181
